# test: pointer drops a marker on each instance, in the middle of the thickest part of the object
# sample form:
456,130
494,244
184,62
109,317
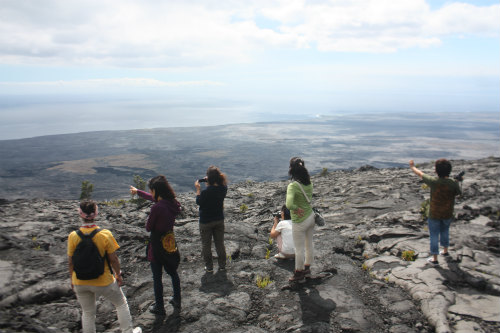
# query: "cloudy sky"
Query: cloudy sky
70,66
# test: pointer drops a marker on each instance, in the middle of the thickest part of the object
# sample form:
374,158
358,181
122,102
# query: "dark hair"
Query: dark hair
214,176
443,168
286,212
88,206
298,171
161,187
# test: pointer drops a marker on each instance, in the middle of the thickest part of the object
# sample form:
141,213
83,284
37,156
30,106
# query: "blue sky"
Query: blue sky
73,66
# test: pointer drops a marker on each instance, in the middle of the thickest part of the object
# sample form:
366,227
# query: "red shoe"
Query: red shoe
298,276
307,271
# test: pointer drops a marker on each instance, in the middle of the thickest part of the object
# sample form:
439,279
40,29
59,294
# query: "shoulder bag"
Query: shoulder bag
318,218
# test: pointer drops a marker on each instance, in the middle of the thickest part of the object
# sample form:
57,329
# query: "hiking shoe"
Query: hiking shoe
137,330
307,271
279,255
444,254
432,261
209,270
298,276
175,302
157,310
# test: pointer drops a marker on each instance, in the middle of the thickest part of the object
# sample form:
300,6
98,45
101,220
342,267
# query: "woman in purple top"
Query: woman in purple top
160,223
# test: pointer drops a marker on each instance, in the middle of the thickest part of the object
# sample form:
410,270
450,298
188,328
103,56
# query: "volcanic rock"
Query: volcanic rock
363,283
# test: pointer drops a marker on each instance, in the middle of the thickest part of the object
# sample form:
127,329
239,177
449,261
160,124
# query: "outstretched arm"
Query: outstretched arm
415,170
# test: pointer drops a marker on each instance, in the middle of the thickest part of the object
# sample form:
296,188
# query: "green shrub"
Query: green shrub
87,188
408,255
324,172
243,208
139,184
424,209
263,282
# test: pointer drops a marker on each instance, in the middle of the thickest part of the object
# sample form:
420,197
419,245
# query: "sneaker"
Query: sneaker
137,330
209,270
176,303
279,255
307,271
444,254
156,310
432,261
298,276
222,269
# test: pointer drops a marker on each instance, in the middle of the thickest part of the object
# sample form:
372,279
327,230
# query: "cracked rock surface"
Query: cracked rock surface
363,285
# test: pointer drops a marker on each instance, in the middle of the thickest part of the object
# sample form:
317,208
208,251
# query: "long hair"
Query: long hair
161,187
298,171
215,176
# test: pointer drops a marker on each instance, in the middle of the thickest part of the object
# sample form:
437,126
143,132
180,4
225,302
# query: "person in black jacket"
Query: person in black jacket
211,202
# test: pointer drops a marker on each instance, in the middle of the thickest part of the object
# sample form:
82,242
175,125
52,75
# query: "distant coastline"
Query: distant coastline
53,167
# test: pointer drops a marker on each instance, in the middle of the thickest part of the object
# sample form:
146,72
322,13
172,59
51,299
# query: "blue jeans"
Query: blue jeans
439,231
157,270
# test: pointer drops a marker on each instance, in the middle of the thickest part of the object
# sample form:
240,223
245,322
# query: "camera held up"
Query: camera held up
460,176
202,180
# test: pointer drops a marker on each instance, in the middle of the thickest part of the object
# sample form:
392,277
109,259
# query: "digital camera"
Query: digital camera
460,176
277,214
202,180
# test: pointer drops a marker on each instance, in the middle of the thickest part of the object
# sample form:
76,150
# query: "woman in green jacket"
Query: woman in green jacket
302,218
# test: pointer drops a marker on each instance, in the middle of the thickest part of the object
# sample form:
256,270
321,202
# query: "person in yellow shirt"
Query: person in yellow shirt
108,284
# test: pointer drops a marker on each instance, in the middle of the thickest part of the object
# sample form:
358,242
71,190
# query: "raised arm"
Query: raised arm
415,169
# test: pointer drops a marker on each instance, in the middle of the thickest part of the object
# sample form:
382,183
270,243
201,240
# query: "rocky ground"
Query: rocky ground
373,218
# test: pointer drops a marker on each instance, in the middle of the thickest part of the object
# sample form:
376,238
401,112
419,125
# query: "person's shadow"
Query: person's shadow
456,278
315,309
216,283
171,323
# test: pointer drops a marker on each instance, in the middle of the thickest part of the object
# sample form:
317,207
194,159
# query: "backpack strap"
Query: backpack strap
91,235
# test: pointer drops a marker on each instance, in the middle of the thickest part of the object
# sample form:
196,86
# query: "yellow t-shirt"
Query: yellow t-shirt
105,242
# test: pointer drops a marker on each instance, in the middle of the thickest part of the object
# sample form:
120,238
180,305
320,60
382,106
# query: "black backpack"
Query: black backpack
87,261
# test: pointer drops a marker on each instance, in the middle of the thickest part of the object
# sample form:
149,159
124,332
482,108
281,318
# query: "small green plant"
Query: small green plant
250,195
268,253
115,203
243,208
424,209
324,172
139,184
87,188
425,187
364,267
229,258
408,255
263,282
386,278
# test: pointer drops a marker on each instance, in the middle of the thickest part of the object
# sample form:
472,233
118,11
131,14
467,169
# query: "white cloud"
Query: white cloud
103,84
161,34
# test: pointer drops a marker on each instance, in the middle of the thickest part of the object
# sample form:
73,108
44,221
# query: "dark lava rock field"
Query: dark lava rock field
372,218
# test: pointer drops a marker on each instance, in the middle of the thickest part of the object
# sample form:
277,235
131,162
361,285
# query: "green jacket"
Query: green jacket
295,199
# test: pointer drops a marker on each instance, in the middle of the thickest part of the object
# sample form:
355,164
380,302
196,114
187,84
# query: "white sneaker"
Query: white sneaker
279,255
137,330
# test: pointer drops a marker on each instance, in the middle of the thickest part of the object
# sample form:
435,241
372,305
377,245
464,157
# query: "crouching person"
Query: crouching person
282,232
91,254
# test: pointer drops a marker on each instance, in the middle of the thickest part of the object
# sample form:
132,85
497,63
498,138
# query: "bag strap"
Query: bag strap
91,235
304,192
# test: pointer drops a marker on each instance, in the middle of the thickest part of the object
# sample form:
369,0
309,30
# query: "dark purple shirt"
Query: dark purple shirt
162,215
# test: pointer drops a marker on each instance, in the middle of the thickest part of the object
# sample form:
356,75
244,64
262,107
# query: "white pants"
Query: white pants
87,295
303,240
